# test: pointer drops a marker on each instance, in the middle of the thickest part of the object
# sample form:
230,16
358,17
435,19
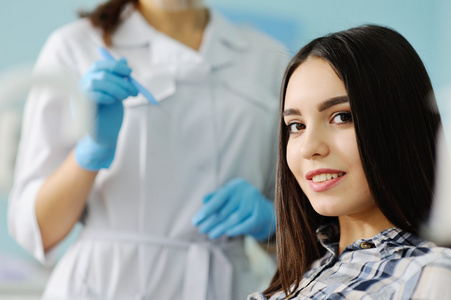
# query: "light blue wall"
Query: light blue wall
25,24
418,20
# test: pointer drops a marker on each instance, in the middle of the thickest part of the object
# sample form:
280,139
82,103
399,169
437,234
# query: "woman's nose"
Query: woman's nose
314,144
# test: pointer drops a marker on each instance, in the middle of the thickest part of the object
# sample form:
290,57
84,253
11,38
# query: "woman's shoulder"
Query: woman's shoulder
435,275
439,255
71,46
79,31
427,257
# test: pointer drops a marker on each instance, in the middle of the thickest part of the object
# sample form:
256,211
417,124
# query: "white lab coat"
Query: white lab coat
216,120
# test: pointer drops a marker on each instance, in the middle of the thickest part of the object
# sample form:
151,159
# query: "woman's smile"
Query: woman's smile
324,179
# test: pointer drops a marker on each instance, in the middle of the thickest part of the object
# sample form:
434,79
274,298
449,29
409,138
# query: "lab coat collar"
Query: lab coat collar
226,32
221,38
221,41
134,30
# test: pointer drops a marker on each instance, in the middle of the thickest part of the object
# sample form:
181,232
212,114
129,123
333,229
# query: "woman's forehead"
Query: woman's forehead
313,81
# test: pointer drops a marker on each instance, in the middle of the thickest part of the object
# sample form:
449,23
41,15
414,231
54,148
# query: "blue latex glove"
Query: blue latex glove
236,209
106,83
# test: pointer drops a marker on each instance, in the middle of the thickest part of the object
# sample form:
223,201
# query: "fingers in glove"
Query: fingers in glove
245,227
208,197
218,217
213,205
119,68
118,88
209,223
233,220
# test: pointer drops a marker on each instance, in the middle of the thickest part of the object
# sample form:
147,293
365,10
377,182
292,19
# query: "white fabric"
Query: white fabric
216,120
200,259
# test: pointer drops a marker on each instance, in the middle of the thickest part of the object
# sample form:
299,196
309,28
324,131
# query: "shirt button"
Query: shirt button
367,245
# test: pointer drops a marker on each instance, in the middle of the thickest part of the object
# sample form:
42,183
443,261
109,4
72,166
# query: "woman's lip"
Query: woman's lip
311,174
325,185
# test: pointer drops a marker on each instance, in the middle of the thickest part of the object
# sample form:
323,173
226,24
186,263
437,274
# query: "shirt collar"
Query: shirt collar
386,242
392,240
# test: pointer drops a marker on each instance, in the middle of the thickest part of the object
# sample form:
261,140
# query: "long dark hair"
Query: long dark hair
107,16
396,120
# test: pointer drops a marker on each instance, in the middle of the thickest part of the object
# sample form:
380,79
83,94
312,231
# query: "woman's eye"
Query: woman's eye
295,127
342,118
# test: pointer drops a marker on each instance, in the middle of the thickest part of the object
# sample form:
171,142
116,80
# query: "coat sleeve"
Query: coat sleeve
42,148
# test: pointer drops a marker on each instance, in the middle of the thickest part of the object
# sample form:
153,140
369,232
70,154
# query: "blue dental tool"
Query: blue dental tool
107,55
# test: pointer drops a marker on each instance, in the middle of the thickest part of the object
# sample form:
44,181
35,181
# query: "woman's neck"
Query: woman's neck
353,228
185,26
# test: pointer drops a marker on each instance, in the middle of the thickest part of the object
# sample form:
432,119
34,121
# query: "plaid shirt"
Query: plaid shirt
393,265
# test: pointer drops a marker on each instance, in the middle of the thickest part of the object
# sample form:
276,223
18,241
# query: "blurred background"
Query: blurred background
25,25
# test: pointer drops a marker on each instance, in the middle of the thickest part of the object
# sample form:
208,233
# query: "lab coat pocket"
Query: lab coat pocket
159,81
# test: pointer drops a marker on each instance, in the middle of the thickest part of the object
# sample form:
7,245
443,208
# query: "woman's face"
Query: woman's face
322,150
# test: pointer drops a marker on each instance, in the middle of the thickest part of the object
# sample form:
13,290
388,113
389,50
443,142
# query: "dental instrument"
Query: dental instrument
107,55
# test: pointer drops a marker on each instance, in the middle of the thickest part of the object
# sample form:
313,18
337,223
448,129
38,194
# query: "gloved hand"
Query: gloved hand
106,84
238,208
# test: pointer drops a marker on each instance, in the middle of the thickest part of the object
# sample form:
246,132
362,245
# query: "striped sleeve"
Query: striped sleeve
434,281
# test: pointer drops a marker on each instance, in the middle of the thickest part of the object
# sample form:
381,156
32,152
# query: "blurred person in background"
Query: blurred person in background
165,192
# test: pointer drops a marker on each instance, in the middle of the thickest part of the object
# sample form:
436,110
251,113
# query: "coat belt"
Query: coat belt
205,261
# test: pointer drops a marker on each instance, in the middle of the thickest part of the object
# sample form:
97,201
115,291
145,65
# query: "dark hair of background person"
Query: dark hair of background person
107,16
396,120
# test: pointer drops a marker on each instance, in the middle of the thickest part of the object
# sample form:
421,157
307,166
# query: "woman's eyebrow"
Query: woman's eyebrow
321,107
331,102
291,112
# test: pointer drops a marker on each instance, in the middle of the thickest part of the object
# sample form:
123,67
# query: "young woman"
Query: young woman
355,175
139,181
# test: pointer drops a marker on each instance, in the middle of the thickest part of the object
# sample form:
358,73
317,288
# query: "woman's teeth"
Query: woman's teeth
324,177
